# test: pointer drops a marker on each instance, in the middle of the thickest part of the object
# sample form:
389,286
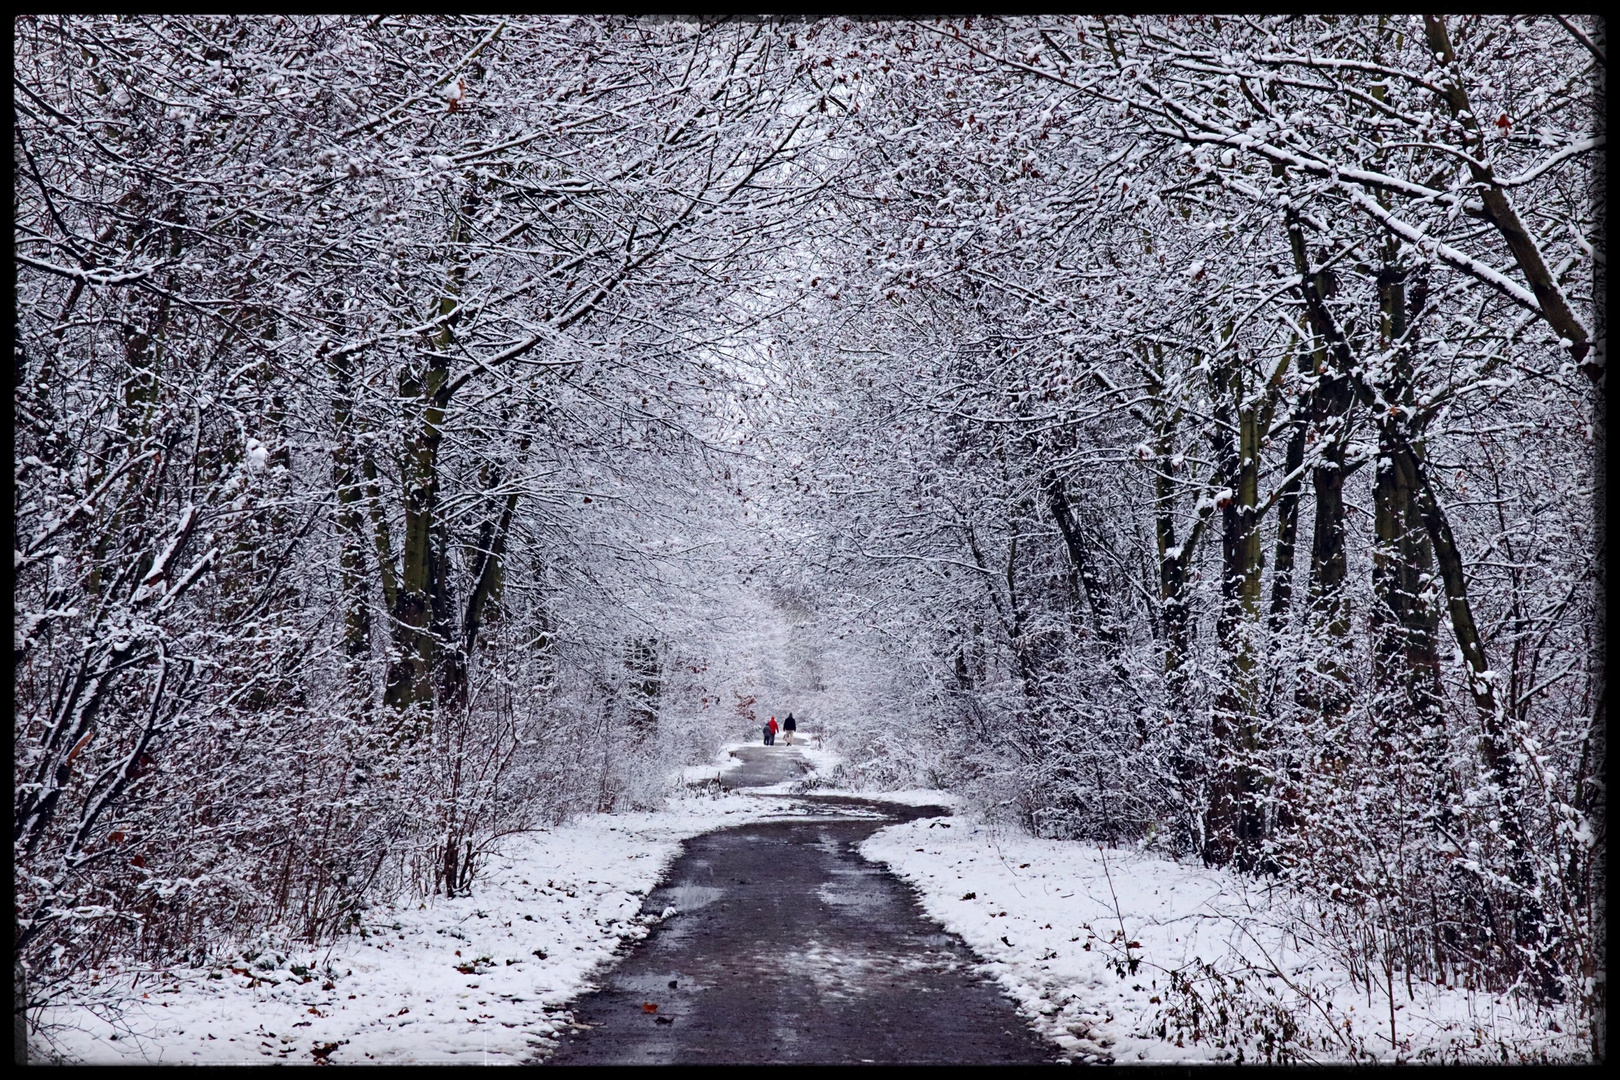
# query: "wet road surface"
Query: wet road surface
789,947
763,766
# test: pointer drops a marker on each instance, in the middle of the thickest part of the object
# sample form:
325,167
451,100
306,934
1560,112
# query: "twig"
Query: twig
1117,913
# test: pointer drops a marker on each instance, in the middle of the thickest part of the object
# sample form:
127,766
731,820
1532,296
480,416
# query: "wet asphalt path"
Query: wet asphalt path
763,766
789,947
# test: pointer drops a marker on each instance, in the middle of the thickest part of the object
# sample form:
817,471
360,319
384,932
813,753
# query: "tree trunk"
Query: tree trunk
1282,572
1497,746
451,868
486,571
1188,754
1236,814
350,521
1103,623
423,579
19,1005
1406,661
409,675
1328,563
1172,585
1330,418
1173,557
382,538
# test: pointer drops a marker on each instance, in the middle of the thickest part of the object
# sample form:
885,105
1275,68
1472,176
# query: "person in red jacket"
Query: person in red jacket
770,732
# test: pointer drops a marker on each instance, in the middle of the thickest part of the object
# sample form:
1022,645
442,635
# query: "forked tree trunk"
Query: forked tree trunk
1103,623
426,390
410,670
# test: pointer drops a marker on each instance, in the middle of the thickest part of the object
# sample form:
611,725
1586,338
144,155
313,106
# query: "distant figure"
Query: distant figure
788,728
770,732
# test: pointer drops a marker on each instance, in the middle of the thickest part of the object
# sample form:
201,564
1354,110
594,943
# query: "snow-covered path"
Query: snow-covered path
787,946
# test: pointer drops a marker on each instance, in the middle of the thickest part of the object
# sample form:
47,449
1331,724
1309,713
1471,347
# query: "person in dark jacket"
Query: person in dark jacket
788,728
770,732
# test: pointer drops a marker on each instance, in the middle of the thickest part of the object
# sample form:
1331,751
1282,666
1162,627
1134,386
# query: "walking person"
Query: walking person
788,728
770,732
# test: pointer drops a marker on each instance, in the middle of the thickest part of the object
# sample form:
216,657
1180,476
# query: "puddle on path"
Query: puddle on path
657,985
866,899
689,897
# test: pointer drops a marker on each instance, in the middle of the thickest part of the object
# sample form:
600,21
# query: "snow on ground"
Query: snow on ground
479,979
908,797
1086,940
820,758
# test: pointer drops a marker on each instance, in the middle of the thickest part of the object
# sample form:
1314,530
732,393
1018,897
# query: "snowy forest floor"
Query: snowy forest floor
1119,955
1109,954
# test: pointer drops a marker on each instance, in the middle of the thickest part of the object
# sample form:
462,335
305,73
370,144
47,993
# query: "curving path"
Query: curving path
763,766
789,947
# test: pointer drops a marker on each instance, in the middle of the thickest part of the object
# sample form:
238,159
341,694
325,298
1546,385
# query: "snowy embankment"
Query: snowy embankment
472,979
1118,955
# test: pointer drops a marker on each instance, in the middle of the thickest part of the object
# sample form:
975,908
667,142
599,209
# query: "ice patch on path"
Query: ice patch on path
477,979
1086,939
